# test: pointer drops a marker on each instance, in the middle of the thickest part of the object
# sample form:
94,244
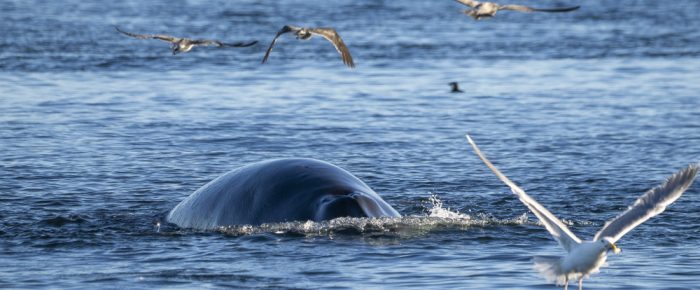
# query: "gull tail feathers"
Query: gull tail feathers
550,269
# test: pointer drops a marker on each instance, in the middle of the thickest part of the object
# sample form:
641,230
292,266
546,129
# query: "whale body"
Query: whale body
279,190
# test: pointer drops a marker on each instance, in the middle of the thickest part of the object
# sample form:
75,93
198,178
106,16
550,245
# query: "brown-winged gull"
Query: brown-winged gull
305,33
488,9
185,44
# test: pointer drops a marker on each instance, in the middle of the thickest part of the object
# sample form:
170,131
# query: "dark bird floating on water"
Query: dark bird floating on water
488,9
185,44
305,33
455,87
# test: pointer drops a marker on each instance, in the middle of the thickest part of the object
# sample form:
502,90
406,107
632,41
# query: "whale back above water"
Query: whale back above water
279,190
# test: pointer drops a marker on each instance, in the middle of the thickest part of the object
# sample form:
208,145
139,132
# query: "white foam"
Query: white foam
437,210
438,218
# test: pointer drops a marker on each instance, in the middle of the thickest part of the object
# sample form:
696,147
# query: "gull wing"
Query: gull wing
331,35
239,44
556,228
149,36
652,203
285,29
470,3
522,8
207,42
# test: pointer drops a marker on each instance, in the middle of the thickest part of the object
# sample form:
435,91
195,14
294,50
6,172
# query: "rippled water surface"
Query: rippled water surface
101,134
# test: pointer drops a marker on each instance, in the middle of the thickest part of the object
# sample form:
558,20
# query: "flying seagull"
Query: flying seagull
185,44
455,87
305,33
488,9
586,257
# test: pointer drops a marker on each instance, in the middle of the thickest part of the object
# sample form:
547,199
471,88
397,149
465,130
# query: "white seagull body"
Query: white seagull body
586,257
488,9
305,33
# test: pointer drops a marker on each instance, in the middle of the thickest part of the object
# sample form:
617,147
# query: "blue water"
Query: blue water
101,134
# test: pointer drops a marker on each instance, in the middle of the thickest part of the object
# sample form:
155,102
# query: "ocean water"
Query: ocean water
101,134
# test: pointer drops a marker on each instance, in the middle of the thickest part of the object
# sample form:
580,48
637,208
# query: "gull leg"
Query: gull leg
580,283
566,283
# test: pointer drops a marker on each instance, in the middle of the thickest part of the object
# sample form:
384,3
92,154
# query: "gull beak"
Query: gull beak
615,249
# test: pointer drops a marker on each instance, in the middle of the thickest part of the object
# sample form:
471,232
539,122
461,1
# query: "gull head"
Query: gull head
176,49
609,245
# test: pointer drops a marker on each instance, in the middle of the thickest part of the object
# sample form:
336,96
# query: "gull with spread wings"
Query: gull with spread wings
488,9
305,33
586,257
185,44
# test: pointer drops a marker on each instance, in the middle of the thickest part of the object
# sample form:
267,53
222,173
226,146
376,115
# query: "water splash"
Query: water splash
438,218
437,210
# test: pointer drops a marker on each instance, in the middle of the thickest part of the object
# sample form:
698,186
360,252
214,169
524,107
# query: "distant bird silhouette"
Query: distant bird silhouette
304,33
455,87
488,9
185,44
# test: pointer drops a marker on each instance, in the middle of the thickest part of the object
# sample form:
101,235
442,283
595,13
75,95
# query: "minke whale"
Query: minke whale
279,190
